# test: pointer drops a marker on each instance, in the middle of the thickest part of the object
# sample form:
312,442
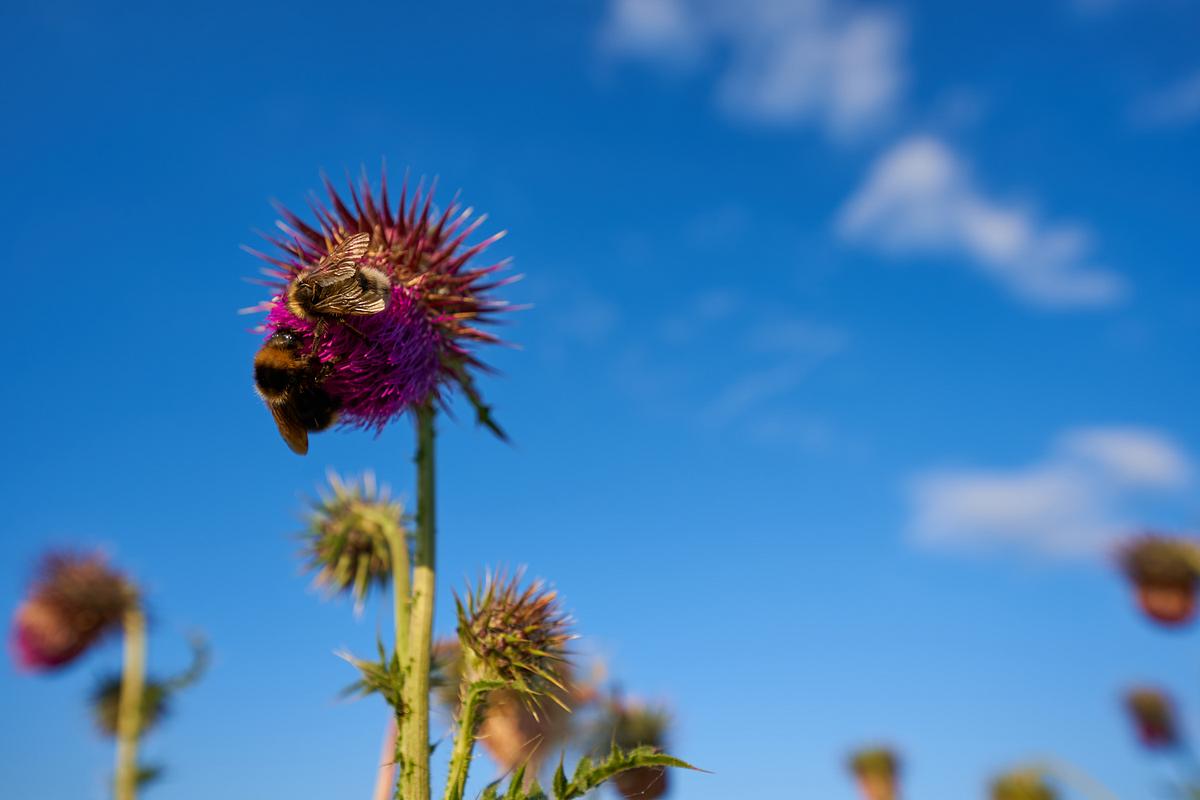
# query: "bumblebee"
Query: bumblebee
338,286
290,385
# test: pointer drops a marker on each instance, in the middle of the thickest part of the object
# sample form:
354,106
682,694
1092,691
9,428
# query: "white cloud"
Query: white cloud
921,198
1178,104
1073,502
782,61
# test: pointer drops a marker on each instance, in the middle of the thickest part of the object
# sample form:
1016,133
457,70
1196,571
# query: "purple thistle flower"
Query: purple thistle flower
376,366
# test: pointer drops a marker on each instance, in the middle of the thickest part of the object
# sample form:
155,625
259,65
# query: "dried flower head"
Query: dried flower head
1153,717
513,732
377,365
75,600
352,527
877,771
1164,572
628,725
1025,784
514,635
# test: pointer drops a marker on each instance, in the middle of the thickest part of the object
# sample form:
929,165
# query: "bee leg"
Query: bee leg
356,331
318,330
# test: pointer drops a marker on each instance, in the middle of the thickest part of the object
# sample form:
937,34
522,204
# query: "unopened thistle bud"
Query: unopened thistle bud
1164,572
352,529
629,725
1026,784
877,772
517,636
1153,717
75,600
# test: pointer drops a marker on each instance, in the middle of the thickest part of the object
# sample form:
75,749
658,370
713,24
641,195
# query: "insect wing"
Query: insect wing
290,428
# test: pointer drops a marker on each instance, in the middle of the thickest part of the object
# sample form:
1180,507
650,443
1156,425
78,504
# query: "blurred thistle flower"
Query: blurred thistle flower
404,355
156,694
352,527
629,725
75,600
1024,784
877,771
1164,571
1153,717
513,734
517,636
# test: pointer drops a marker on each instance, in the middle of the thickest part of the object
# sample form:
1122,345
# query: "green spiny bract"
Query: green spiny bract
352,530
1026,784
515,636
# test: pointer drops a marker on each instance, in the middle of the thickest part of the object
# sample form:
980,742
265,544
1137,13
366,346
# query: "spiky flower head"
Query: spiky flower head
75,600
1165,573
381,364
353,528
1024,784
1153,717
628,725
877,770
518,636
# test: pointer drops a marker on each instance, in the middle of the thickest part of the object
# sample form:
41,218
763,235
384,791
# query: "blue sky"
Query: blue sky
858,332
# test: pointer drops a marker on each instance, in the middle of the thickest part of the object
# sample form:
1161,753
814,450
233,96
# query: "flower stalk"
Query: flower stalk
129,711
415,782
464,743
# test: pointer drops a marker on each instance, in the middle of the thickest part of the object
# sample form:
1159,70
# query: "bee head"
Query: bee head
284,338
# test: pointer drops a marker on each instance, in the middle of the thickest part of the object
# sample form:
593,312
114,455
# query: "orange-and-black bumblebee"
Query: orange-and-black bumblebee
290,384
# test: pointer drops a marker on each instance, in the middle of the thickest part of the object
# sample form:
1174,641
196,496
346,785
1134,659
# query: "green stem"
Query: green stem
415,780
129,703
401,608
464,743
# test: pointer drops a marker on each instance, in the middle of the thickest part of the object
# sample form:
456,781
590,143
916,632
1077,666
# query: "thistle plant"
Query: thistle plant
75,602
876,770
375,313
1164,572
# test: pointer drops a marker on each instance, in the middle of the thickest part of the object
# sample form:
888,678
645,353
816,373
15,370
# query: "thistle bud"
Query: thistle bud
352,528
1153,717
74,601
629,725
877,772
513,635
1164,572
1026,784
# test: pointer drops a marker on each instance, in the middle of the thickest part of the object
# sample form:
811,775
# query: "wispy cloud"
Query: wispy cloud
1072,502
922,198
1177,104
833,62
